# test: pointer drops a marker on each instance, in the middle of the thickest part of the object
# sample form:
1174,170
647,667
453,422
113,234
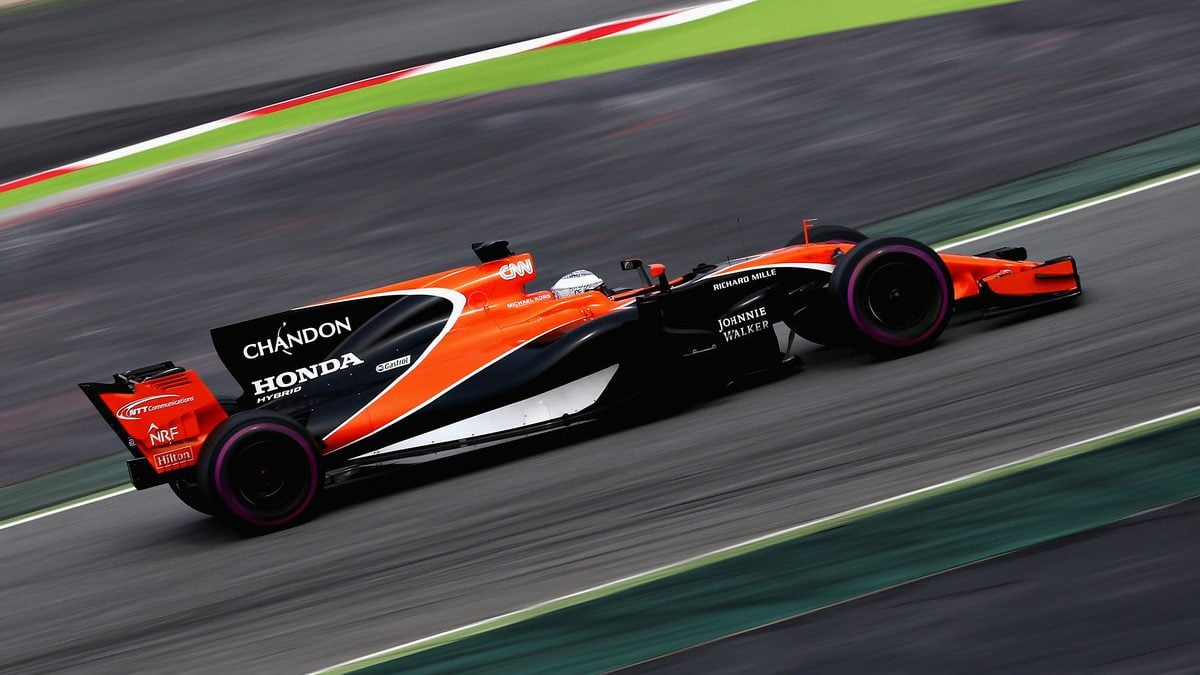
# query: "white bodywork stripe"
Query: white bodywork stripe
567,399
466,377
820,267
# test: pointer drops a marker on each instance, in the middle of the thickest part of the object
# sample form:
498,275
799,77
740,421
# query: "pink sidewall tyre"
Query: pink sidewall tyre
260,471
897,294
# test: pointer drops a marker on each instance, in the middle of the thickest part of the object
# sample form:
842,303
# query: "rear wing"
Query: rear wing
162,413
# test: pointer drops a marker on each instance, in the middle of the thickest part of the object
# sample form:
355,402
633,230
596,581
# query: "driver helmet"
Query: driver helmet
579,281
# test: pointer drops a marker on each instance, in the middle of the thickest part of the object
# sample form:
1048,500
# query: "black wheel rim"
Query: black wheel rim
269,474
901,295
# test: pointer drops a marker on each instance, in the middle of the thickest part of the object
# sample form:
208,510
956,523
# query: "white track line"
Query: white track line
1016,225
65,507
666,569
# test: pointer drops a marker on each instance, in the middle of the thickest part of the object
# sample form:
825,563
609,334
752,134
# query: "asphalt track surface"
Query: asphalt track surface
82,77
1124,598
581,173
138,581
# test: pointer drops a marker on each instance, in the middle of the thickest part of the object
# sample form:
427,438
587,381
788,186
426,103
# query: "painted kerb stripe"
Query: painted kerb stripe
646,22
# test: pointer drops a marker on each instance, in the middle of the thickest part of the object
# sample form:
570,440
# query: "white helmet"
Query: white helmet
576,282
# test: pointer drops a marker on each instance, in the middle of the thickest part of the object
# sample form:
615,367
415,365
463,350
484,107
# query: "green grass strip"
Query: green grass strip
56,489
72,503
1010,507
757,23
1041,194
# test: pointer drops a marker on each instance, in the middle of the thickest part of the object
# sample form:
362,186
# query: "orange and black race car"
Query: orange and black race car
467,358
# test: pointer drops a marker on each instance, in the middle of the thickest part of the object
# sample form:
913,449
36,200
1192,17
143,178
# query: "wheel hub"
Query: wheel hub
900,294
267,475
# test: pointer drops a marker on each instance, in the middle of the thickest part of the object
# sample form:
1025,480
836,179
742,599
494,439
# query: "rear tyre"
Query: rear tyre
260,471
829,234
897,295
189,493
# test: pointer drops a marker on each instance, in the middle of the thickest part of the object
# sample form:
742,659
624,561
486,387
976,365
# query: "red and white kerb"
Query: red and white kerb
636,24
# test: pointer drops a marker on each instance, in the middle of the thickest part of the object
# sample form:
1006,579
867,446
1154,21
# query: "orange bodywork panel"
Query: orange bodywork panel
497,317
1053,277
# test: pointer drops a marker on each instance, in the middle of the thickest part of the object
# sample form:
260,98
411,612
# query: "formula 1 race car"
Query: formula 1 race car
467,358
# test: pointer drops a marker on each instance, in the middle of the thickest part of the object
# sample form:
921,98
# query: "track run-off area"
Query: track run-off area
131,581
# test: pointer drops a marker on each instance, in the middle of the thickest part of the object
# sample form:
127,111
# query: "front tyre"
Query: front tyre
897,294
260,471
